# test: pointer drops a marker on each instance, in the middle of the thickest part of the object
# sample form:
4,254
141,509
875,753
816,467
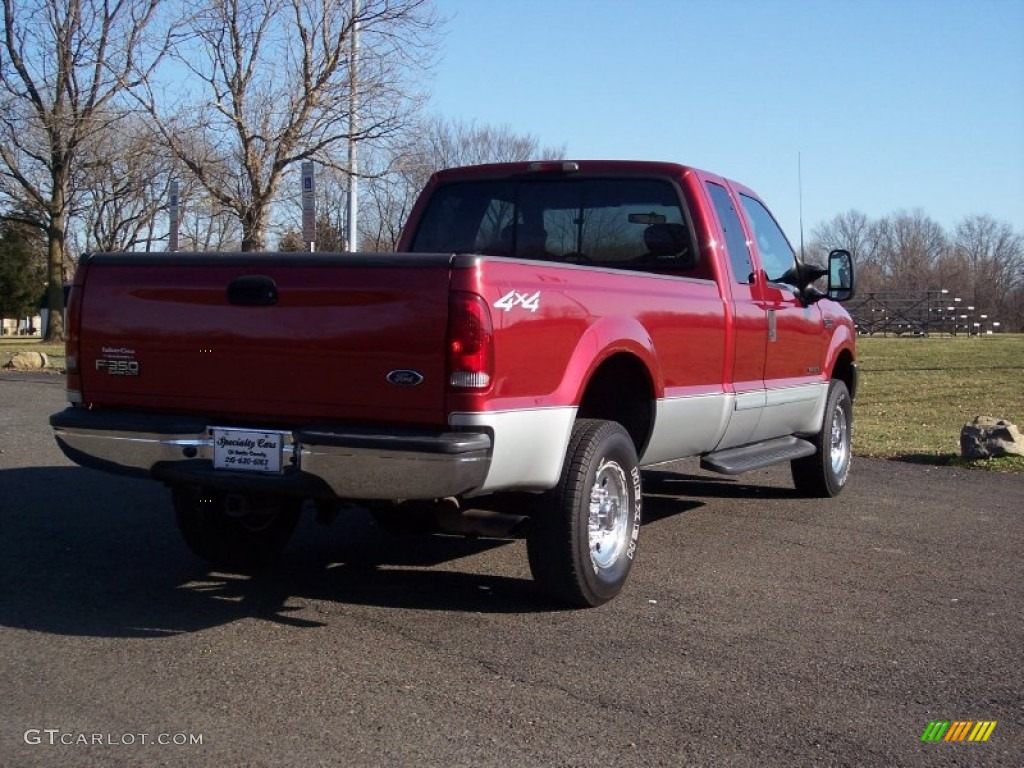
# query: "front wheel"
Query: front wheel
237,531
825,473
583,537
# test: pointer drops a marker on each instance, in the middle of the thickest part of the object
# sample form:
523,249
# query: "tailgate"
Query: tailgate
275,338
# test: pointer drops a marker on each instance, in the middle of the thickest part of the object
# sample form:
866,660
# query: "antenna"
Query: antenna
800,194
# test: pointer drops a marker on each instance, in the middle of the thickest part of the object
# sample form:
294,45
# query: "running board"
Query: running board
734,461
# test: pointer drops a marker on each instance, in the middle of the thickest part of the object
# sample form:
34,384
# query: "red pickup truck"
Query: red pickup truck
544,331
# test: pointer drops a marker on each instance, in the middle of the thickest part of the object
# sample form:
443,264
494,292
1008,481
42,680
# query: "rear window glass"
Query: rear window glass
618,223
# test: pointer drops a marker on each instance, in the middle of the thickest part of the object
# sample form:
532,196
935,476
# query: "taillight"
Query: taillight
71,337
470,342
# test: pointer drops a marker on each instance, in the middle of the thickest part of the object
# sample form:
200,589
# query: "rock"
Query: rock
987,436
27,361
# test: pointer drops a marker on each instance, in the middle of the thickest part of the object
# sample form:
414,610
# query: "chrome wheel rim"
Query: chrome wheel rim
839,442
608,520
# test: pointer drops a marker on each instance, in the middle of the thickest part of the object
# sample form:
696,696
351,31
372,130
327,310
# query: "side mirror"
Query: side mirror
802,277
840,275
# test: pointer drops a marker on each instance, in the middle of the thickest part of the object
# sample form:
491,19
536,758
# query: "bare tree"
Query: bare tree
122,181
987,260
277,81
855,232
64,65
910,244
389,196
981,262
1014,301
437,143
205,224
450,143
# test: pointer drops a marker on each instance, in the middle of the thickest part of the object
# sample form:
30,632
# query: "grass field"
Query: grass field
915,394
10,345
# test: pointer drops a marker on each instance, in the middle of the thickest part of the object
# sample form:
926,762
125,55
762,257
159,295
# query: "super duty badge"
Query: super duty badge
118,367
117,361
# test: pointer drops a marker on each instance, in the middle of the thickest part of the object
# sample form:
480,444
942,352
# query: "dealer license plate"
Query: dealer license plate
247,451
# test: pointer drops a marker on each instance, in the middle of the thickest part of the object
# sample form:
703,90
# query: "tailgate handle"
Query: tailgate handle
252,291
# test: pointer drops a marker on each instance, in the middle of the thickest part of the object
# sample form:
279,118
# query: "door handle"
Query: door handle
252,291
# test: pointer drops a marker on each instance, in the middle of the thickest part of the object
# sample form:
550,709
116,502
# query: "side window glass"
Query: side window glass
735,239
777,256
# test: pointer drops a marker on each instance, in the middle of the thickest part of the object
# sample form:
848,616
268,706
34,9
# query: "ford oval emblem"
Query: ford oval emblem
405,378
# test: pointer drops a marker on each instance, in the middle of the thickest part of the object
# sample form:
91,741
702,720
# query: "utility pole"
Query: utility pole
174,211
353,128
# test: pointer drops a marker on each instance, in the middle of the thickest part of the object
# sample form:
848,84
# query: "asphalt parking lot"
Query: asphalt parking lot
757,629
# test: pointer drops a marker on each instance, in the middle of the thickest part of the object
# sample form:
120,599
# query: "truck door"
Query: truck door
749,322
793,377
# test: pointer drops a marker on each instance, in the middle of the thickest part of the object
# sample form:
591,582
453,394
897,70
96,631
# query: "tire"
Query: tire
234,531
825,474
583,536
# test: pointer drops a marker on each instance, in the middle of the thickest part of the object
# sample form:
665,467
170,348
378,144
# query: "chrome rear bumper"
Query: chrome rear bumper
320,461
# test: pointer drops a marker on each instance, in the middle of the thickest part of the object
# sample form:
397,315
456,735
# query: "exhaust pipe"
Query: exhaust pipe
479,522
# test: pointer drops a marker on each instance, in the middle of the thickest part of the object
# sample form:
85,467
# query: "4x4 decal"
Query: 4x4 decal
513,299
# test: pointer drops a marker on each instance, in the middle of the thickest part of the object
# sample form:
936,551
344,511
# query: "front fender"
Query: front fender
841,356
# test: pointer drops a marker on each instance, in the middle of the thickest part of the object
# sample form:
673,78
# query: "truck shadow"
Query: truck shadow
84,553
89,554
671,493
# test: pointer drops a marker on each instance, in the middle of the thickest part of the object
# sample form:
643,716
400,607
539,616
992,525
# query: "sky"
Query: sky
879,106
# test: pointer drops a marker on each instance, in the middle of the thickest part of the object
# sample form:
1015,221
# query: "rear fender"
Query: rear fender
607,337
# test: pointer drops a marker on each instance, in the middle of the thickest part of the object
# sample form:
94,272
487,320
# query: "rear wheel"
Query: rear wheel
583,537
825,473
238,531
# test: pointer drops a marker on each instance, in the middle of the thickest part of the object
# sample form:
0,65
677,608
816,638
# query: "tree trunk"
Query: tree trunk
55,278
252,229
